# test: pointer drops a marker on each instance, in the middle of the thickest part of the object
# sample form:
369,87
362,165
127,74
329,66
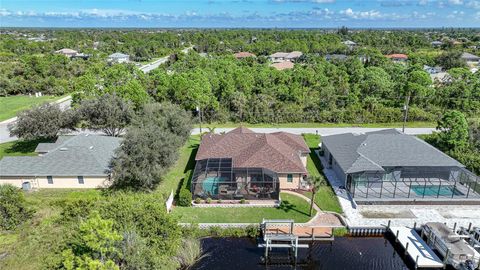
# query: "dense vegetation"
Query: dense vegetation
364,88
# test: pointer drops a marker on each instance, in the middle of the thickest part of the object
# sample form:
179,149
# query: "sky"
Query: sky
241,13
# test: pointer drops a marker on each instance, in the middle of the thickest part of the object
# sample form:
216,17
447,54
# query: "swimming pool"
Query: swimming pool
210,185
433,190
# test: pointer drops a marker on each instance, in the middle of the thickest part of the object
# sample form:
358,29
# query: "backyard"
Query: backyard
13,104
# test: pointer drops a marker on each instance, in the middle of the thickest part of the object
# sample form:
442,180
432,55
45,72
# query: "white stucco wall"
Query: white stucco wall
58,182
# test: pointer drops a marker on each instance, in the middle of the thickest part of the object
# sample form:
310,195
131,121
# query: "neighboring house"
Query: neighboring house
397,57
242,164
436,43
118,58
390,165
350,44
81,161
470,58
67,52
283,65
283,56
241,55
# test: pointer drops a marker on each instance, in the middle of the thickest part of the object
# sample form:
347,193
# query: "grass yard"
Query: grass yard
321,125
19,148
293,207
185,162
14,104
325,197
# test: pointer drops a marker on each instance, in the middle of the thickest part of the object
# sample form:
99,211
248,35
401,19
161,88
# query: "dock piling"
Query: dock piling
406,249
396,236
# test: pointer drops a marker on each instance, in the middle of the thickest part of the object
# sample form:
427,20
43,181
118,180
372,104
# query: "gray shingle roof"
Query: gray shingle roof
374,151
80,155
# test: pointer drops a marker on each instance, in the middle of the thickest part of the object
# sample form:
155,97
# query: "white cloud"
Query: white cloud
371,14
422,2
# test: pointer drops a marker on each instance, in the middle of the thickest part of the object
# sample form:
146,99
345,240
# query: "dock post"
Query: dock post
454,227
396,237
313,237
388,224
469,226
415,225
406,249
416,262
445,260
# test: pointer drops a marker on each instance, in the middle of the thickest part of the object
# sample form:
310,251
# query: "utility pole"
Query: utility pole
405,111
199,111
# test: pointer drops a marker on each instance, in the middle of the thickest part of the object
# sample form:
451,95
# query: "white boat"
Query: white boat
452,246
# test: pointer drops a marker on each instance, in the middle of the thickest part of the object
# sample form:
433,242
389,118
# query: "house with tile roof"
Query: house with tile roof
81,161
284,56
242,164
388,165
118,58
67,52
241,55
397,57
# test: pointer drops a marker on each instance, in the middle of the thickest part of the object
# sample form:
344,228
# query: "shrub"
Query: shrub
209,200
13,208
198,200
184,198
243,201
219,201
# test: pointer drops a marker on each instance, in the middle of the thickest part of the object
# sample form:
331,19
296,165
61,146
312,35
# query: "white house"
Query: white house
118,58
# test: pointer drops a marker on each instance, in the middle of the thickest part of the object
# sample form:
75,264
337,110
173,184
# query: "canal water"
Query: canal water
344,253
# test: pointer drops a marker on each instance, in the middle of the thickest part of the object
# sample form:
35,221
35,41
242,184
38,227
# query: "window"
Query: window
50,180
80,180
289,178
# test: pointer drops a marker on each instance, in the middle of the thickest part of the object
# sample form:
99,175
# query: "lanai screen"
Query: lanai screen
216,178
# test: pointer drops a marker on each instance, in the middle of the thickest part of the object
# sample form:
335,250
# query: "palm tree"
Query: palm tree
316,181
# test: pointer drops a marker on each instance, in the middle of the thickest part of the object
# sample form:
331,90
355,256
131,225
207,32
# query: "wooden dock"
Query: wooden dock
416,248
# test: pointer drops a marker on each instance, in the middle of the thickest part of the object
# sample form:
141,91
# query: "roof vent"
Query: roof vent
63,149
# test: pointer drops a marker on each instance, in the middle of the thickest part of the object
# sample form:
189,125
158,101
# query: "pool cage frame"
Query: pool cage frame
216,178
414,183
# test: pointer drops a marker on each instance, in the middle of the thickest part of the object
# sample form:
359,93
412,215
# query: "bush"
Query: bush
13,208
184,198
198,201
243,201
219,201
209,200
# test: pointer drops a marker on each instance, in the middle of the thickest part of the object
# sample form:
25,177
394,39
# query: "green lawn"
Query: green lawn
293,207
13,104
185,162
320,125
19,148
325,197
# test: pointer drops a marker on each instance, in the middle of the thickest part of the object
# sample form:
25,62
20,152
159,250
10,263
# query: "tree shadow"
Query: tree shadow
26,147
286,206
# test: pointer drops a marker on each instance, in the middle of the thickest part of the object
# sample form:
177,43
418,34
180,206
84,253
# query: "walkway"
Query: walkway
322,131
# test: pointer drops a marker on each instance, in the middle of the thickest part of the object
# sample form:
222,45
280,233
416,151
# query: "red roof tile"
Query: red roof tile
397,56
244,55
279,152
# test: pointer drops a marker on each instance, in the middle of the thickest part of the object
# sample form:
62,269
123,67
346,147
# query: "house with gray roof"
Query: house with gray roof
81,161
118,58
390,165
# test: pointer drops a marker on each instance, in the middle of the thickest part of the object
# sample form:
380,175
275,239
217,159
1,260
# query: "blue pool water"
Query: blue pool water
434,190
210,185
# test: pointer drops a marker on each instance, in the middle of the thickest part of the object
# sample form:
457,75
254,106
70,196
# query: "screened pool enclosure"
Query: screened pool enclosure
414,183
217,179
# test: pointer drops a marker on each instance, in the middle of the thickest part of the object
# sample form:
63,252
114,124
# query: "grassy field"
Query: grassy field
325,197
321,125
13,104
293,207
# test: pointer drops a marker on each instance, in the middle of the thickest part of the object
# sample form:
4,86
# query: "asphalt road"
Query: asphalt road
155,64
